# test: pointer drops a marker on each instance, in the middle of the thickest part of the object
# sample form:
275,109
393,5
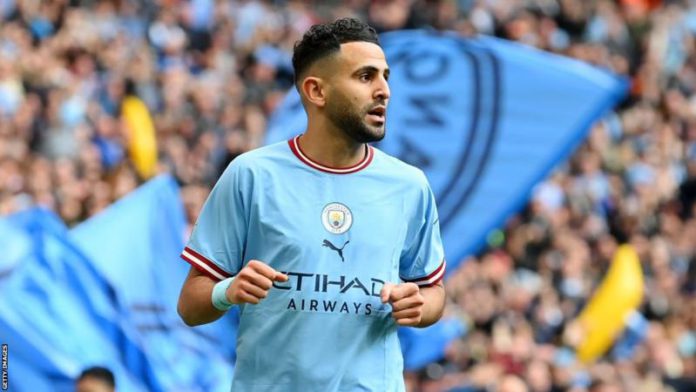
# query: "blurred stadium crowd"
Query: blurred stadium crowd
211,72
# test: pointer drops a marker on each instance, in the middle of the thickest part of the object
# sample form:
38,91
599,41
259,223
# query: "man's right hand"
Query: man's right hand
252,283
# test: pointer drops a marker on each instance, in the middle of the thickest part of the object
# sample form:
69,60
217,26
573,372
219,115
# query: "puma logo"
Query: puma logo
331,246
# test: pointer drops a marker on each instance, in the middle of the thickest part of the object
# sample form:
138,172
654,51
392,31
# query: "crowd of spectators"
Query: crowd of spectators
212,71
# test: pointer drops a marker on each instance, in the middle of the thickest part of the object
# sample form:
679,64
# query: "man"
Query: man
331,242
96,379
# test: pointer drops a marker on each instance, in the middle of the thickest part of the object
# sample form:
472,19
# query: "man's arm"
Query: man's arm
434,304
195,306
415,306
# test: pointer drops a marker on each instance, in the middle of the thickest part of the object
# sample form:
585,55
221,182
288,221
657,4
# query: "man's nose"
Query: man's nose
382,91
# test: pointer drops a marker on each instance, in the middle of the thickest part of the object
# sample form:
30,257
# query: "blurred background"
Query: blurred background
98,97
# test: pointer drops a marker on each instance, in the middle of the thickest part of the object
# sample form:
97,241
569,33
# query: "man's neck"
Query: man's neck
331,147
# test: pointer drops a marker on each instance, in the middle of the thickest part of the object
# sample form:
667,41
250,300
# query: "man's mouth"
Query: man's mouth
377,114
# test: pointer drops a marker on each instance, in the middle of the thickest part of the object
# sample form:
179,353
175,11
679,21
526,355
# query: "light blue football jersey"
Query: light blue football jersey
339,234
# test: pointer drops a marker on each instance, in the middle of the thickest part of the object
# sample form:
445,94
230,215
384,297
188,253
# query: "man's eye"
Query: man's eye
365,77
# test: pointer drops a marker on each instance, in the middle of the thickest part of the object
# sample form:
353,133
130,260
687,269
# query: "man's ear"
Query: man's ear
313,89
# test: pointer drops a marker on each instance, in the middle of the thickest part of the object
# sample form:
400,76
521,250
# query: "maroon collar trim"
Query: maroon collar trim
295,147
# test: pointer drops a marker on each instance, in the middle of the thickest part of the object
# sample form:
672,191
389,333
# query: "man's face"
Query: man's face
358,96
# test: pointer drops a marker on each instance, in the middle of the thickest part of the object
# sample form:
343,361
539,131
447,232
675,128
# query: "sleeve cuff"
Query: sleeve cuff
432,279
204,265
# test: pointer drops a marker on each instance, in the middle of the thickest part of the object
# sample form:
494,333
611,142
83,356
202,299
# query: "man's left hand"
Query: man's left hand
406,301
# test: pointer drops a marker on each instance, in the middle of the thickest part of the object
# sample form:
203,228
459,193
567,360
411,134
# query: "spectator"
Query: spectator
96,379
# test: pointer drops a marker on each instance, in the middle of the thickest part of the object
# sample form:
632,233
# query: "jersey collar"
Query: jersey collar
295,147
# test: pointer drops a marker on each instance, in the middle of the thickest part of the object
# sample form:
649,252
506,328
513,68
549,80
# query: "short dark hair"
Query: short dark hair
100,373
322,40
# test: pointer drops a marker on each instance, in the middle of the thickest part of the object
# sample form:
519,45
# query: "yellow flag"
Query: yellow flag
142,144
620,293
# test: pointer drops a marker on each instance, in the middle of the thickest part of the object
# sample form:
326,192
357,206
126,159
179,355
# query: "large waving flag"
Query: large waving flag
58,314
486,120
135,244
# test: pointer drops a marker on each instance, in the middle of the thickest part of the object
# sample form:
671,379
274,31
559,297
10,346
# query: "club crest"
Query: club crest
336,218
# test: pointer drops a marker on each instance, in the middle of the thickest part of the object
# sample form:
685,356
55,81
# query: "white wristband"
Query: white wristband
219,296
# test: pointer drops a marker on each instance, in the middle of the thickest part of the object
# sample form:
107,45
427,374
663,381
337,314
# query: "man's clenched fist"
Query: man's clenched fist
406,301
252,283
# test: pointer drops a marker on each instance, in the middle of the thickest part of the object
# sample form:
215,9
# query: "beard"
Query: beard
351,121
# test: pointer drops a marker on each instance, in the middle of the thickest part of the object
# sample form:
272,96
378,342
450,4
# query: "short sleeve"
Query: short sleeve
422,260
217,243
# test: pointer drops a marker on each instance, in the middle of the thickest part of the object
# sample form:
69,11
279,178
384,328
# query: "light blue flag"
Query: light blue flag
486,119
136,244
58,314
421,346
